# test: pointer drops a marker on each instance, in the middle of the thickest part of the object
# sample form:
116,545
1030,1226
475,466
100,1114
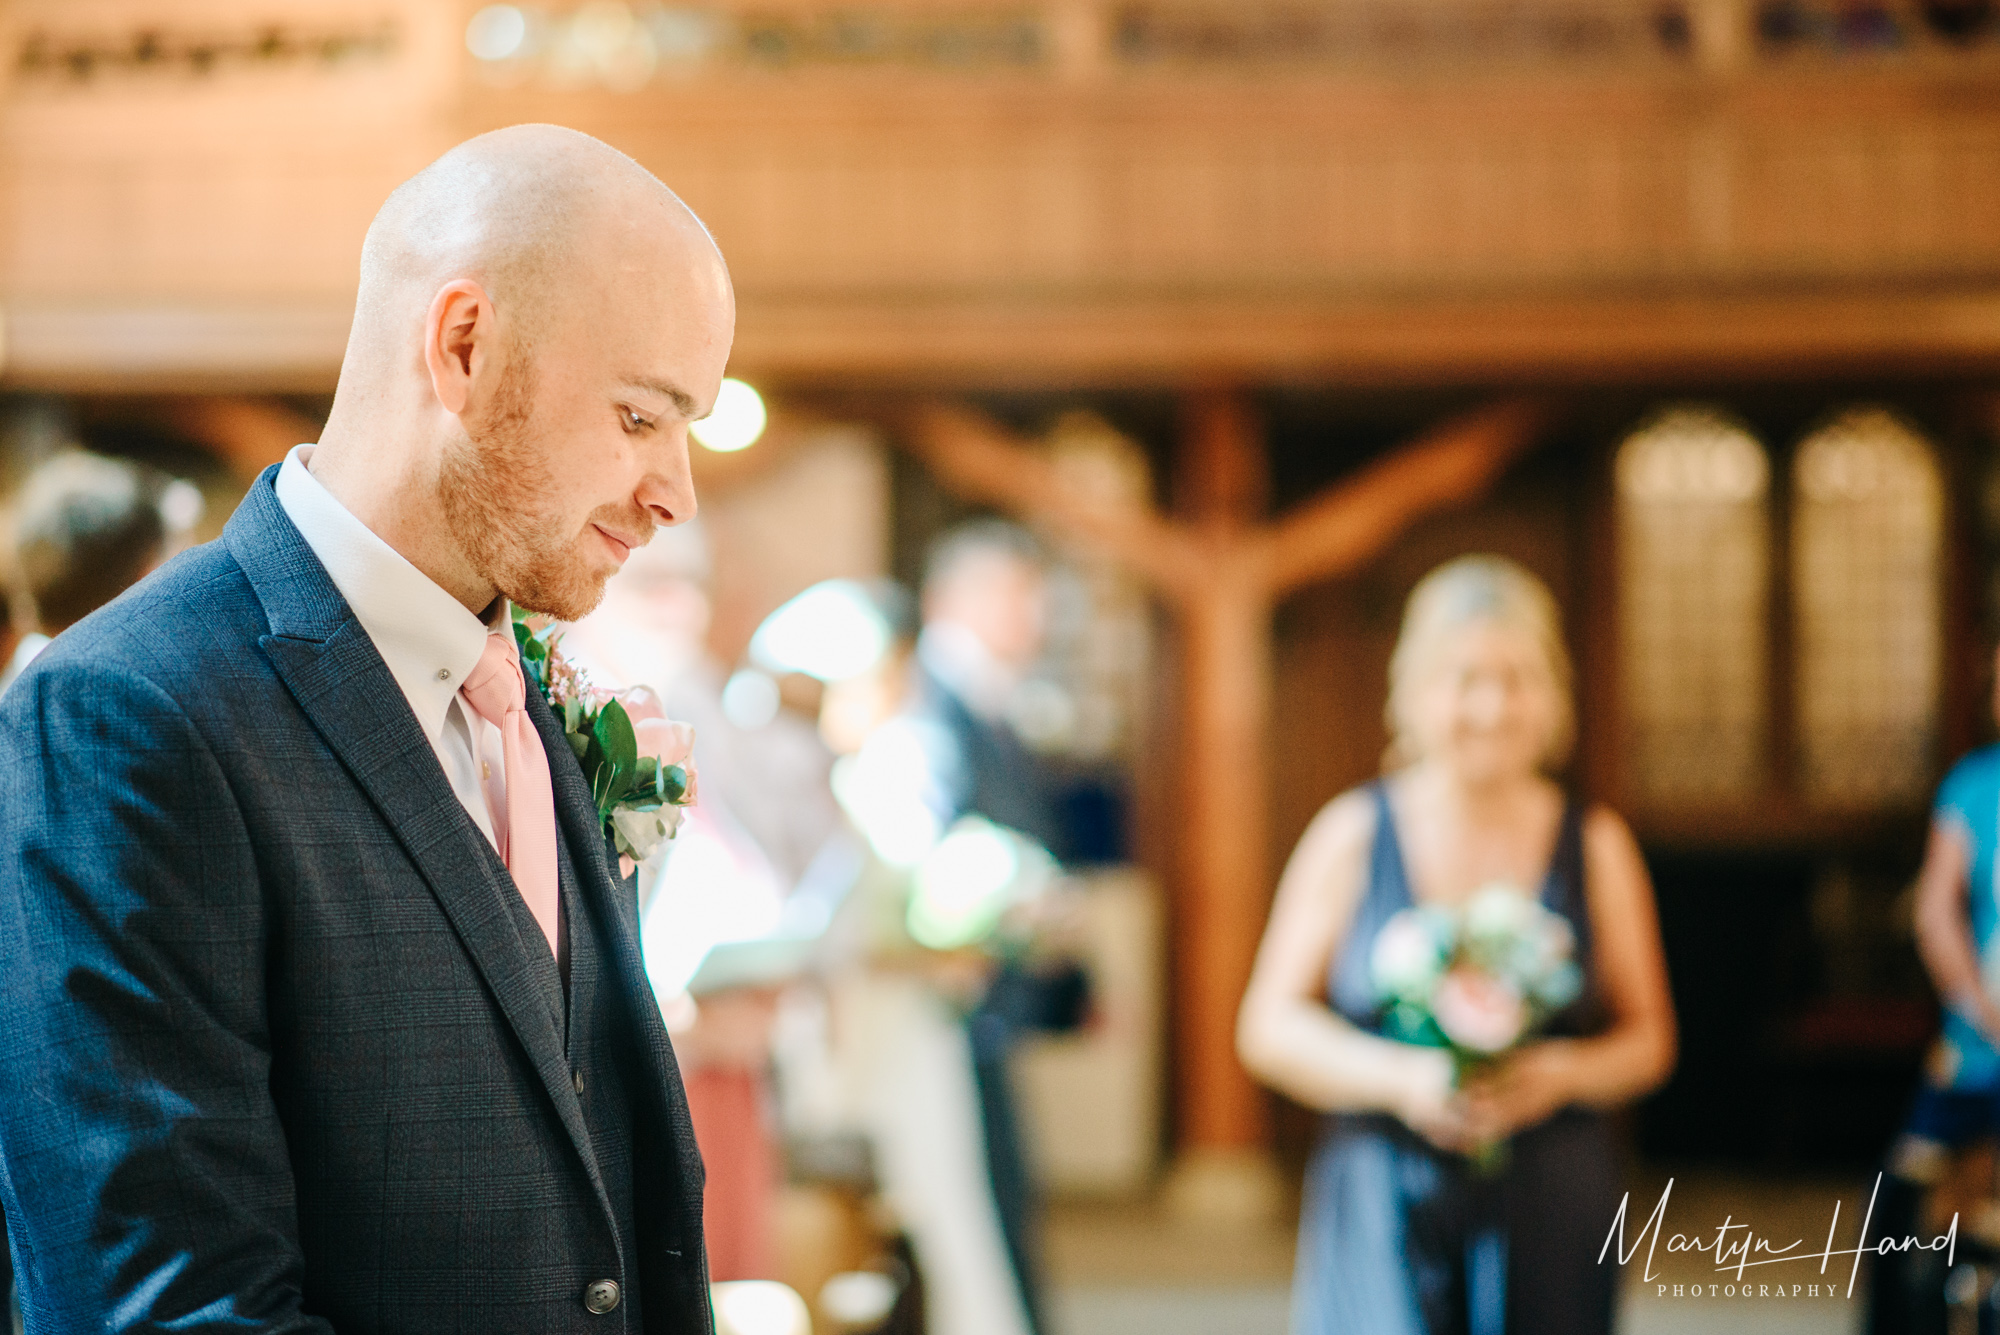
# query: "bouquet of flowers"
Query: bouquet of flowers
1477,980
639,763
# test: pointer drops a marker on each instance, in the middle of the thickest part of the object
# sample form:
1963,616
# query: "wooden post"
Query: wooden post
1225,881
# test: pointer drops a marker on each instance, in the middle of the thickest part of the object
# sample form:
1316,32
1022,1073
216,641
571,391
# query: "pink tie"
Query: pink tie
495,692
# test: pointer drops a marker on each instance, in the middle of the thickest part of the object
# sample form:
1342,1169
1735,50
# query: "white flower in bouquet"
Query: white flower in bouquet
1499,913
1410,953
1479,978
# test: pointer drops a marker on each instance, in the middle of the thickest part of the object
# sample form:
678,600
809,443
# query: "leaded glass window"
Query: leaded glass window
1867,538
1694,550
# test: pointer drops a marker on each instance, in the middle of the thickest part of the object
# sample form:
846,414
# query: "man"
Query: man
86,528
326,1010
984,613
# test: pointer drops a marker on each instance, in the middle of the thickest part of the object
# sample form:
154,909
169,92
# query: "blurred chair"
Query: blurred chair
1092,1096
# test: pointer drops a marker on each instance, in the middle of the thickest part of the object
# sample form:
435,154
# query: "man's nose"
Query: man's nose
667,490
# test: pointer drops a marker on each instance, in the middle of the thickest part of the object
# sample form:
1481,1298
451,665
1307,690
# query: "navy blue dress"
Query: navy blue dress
1401,1238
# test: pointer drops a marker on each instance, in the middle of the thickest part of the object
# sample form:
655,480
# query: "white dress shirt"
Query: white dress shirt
963,665
426,636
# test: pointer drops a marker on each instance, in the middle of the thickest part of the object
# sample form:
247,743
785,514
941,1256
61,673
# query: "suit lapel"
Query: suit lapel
332,669
605,892
614,904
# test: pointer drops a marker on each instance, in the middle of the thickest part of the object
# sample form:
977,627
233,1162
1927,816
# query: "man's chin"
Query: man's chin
570,597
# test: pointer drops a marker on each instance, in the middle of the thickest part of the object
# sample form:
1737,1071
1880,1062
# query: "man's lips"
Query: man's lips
620,547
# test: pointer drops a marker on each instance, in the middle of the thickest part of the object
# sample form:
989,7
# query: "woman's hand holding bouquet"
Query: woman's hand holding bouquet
1478,982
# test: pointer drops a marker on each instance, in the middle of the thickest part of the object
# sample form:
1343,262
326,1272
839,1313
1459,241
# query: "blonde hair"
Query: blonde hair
1458,594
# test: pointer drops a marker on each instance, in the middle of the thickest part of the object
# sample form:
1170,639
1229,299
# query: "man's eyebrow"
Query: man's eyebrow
680,398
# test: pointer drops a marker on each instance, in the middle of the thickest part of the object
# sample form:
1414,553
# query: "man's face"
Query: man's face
1001,599
581,448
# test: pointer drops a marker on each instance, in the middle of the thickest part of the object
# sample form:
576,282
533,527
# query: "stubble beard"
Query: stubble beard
492,493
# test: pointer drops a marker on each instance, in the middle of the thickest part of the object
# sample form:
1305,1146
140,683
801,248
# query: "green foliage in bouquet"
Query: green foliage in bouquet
626,785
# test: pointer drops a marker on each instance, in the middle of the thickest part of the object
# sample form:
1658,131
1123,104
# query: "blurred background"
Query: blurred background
1249,313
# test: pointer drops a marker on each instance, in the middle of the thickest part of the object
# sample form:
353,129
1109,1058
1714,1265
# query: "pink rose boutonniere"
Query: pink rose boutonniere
638,762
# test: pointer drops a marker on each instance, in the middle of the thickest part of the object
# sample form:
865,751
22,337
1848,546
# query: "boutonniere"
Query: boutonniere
638,762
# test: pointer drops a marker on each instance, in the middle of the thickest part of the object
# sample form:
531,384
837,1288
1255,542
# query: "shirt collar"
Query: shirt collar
963,665
427,637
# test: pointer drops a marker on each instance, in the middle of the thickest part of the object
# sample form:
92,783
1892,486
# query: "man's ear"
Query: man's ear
458,334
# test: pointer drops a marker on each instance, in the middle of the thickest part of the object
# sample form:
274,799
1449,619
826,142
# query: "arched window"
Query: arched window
1694,562
1867,535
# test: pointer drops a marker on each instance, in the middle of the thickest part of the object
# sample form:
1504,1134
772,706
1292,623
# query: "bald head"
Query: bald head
525,212
538,320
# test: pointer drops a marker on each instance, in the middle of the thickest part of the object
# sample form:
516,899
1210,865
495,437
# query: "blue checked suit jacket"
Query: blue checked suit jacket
272,1054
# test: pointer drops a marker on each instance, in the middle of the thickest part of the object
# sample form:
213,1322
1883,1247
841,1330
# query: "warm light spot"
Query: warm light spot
860,1299
759,1307
736,422
496,32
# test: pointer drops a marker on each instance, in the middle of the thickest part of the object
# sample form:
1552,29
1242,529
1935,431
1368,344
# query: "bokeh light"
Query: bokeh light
964,884
832,631
750,699
737,420
496,32
759,1307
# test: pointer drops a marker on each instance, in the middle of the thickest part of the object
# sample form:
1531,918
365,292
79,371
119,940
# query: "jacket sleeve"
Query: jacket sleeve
142,1164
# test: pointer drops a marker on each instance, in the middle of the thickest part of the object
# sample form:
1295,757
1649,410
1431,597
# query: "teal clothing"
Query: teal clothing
1969,798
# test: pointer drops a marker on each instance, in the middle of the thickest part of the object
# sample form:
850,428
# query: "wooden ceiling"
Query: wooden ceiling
1072,193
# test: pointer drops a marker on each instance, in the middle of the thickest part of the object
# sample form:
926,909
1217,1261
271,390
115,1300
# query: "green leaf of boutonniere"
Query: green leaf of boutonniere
614,736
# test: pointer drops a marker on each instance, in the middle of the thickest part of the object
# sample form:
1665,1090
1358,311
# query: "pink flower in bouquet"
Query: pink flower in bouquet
666,740
1477,1011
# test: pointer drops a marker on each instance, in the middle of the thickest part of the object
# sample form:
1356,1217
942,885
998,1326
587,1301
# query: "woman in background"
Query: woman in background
1401,1234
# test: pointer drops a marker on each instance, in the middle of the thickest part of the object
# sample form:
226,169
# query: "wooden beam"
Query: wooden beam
1222,475
1350,523
981,460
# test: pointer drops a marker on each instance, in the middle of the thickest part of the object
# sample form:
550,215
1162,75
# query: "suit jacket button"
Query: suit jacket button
576,1078
601,1297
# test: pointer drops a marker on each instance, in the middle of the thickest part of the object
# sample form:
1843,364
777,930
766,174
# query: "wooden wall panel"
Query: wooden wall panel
847,198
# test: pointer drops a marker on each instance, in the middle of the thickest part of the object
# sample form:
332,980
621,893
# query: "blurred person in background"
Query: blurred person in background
1958,1101
984,609
926,979
1401,1233
765,812
85,529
